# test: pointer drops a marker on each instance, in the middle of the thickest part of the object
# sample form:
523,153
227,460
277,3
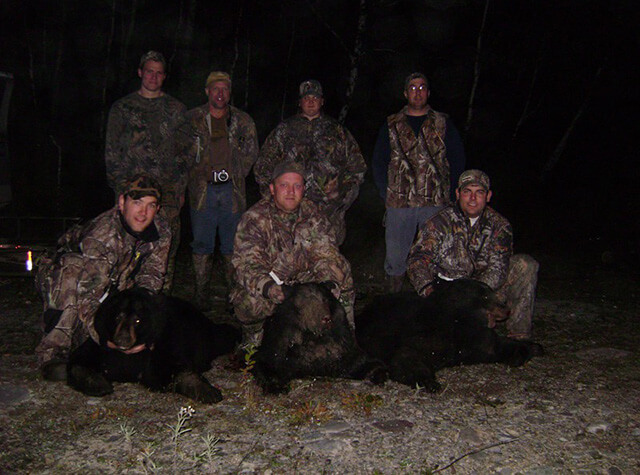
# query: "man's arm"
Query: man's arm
497,251
270,155
421,266
154,268
353,173
455,155
251,258
380,161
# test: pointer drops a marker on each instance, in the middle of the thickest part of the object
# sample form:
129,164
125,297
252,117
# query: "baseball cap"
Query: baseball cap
310,87
474,177
142,185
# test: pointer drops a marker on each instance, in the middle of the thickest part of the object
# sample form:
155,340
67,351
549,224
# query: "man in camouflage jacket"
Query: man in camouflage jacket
224,148
469,239
417,159
145,135
330,155
284,239
125,246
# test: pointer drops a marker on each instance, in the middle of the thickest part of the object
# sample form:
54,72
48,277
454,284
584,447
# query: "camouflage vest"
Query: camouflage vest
418,170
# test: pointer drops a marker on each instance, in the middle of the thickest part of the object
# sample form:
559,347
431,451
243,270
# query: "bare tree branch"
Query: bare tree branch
476,71
562,145
328,27
354,59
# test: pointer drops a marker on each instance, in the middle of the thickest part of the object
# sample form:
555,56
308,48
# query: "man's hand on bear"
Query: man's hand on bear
273,292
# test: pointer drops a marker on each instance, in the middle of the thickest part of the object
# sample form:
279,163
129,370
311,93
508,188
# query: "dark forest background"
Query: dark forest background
545,93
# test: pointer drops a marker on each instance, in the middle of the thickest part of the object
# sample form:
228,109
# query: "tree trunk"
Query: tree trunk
476,72
354,60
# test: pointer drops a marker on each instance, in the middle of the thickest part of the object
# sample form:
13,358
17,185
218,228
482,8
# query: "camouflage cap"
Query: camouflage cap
474,177
310,87
287,167
142,185
218,76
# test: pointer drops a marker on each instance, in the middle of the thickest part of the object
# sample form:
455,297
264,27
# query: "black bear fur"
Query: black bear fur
308,336
163,342
417,336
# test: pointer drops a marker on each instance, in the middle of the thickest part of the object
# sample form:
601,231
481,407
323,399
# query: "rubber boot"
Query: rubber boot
202,267
395,283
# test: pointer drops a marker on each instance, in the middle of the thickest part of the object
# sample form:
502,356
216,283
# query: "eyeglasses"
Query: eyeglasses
414,88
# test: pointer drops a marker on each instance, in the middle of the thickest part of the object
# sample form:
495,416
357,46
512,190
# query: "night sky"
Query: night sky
555,91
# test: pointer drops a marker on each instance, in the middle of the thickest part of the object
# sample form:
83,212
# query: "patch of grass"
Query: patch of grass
362,402
310,412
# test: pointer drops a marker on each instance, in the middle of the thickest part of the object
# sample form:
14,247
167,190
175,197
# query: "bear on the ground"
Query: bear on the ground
417,336
163,342
307,336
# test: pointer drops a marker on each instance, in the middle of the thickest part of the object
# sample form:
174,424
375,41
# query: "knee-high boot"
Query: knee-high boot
202,265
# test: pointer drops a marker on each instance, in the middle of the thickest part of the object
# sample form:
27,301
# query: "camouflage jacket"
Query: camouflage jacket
243,140
448,246
418,172
331,156
143,136
99,257
297,247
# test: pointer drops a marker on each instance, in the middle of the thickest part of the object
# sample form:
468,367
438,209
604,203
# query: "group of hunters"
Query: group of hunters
438,225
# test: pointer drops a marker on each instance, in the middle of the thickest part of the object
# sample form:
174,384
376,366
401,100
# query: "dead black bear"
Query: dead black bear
163,342
308,335
417,336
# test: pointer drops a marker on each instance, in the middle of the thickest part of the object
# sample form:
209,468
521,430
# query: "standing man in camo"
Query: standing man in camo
416,162
143,137
224,150
329,154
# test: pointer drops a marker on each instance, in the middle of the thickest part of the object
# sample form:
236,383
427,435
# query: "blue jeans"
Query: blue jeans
216,216
401,227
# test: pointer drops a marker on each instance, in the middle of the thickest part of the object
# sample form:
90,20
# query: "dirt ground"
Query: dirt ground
574,410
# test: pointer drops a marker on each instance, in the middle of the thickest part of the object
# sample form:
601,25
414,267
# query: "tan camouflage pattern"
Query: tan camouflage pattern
331,158
448,247
243,139
91,260
145,136
418,172
298,247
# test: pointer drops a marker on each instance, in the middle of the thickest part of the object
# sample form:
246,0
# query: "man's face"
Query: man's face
311,106
152,75
219,93
473,199
287,191
139,213
417,94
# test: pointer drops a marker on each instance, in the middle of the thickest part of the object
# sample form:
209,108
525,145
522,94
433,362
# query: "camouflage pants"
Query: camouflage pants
172,214
519,292
58,285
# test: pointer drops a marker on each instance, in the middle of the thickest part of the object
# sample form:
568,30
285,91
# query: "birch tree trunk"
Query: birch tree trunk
354,60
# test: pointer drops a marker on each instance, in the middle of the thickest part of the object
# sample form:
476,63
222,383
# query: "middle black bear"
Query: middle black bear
416,336
163,342
308,335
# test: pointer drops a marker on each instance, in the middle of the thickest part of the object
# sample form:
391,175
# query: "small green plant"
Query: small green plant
211,448
362,402
247,377
180,427
146,460
128,432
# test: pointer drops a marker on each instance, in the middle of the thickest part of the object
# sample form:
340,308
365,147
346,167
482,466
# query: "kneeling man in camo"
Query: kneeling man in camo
123,247
469,239
284,239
